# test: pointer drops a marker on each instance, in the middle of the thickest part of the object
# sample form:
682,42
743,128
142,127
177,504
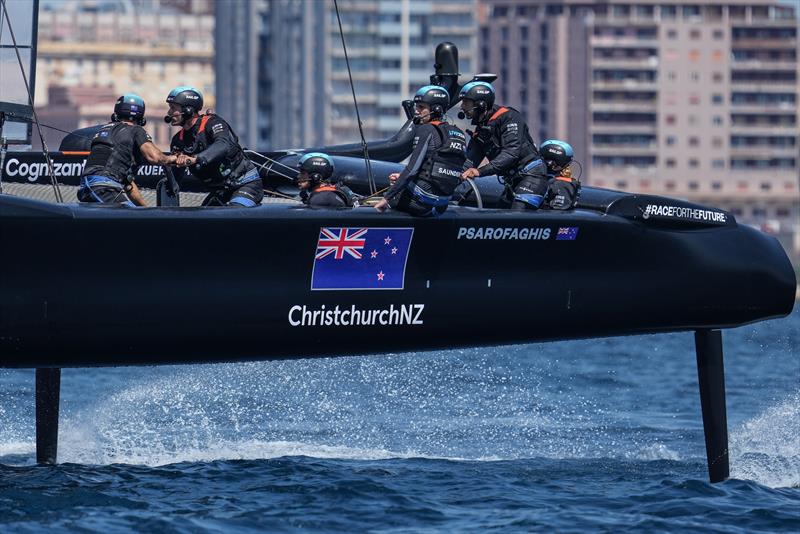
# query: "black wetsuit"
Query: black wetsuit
326,196
115,155
221,163
433,172
504,139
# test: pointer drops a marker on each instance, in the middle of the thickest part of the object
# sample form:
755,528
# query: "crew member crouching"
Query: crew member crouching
425,186
117,150
318,185
562,189
211,150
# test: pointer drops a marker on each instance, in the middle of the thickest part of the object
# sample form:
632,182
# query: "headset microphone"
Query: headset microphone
167,119
461,115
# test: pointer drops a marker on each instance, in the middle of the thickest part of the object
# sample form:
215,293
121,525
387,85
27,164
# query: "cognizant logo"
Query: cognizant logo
33,171
405,314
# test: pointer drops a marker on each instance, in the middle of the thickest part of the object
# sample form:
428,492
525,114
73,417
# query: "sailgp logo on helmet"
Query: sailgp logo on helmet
189,98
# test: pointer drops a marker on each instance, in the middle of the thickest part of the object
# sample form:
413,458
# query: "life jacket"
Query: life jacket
440,173
563,191
342,192
112,153
232,166
490,136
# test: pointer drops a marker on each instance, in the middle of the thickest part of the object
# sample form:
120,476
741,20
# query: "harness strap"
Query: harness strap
202,128
498,113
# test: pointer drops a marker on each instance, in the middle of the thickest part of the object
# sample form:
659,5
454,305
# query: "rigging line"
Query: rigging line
43,125
53,179
271,160
2,18
370,178
266,168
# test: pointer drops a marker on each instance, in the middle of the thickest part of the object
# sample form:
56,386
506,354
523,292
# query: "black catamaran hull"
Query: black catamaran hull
101,286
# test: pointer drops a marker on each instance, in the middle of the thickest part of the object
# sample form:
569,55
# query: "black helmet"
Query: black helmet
129,106
319,166
436,97
481,92
188,98
556,154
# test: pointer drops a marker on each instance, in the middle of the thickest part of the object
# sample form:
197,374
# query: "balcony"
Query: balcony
625,63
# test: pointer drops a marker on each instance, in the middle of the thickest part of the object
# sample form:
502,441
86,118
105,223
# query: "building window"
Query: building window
718,163
694,141
782,212
716,142
622,184
766,186
694,55
718,35
789,186
670,140
759,212
694,34
523,33
694,186
671,34
716,99
693,163
644,184
671,76
670,119
717,120
694,100
716,186
670,185
717,77
742,185
670,162
695,76
716,55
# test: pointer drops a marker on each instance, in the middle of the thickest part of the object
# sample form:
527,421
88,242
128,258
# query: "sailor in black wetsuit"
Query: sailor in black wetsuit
318,187
501,135
210,148
433,172
116,151
563,188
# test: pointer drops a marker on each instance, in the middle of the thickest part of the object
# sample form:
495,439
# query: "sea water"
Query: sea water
597,435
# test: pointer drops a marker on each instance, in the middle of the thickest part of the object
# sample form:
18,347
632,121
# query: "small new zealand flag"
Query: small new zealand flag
567,233
361,258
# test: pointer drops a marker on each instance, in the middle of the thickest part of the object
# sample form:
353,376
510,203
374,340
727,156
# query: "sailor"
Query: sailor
318,185
501,135
424,187
562,188
117,150
211,150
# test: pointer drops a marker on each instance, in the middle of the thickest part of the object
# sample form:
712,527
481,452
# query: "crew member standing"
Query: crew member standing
501,135
117,150
424,187
211,150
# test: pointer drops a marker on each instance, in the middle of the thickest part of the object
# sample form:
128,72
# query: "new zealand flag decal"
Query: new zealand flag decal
361,258
569,233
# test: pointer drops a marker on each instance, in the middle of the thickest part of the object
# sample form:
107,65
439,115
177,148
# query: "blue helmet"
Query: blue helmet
319,166
556,153
129,106
480,92
436,97
188,98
